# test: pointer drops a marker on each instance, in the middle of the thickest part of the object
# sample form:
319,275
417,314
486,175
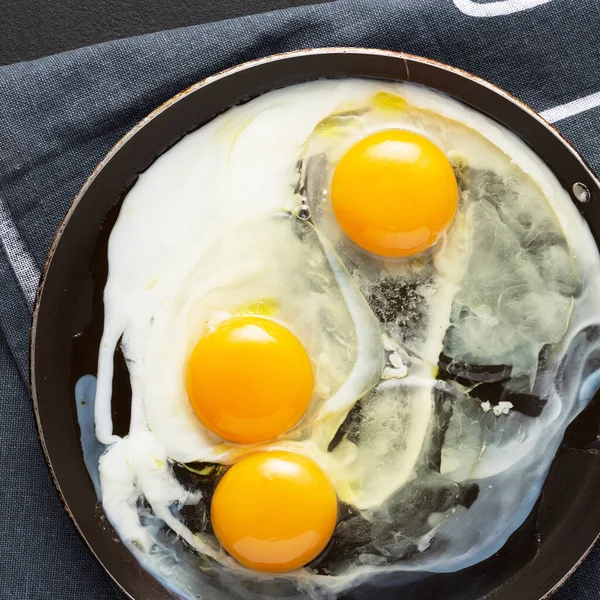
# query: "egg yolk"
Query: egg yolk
274,511
249,379
394,193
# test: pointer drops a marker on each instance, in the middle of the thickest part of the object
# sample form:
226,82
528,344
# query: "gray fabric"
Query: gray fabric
59,116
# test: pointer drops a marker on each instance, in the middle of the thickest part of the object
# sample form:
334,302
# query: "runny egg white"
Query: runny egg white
343,364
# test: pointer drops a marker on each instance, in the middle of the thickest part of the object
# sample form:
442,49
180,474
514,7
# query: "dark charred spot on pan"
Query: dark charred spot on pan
143,506
197,478
352,536
469,374
411,506
468,493
494,384
393,297
345,512
349,429
121,394
399,301
196,517
299,186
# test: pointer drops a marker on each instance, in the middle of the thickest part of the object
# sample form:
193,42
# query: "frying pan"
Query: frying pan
68,318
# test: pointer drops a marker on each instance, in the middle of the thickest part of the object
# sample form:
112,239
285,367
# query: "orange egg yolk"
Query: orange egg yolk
274,511
249,379
394,193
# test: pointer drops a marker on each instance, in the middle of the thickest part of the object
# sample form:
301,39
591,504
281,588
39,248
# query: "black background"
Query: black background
33,28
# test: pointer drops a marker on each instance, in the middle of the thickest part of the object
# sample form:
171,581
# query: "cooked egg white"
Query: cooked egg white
208,233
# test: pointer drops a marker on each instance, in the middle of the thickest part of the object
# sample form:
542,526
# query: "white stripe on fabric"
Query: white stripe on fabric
571,108
20,259
496,9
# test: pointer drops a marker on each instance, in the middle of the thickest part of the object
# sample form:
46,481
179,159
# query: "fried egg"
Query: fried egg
394,193
317,294
248,281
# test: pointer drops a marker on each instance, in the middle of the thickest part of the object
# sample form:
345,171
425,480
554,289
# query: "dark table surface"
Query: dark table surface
33,28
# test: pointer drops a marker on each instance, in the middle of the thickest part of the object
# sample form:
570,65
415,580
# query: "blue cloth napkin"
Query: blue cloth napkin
59,115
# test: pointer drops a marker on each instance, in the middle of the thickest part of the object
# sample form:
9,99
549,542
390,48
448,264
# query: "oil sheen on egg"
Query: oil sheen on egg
404,333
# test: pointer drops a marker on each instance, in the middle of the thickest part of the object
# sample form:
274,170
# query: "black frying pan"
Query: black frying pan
68,316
